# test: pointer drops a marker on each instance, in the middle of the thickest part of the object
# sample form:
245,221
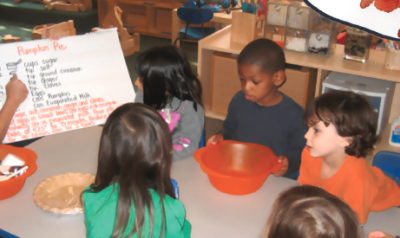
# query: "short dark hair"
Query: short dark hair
264,53
352,116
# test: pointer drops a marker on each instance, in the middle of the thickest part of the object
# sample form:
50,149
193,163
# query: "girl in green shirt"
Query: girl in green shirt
132,195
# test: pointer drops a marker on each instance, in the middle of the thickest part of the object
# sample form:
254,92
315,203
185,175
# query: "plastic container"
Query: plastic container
392,60
318,43
11,187
296,40
303,30
394,138
277,13
275,33
276,21
237,168
322,37
297,16
357,45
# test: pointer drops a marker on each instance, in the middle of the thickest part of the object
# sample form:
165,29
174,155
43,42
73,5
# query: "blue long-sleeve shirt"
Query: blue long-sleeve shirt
279,127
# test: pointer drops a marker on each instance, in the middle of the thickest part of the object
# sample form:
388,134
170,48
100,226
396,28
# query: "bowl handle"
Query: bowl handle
276,166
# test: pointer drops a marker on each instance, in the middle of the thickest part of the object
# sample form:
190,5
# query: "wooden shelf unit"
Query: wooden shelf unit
151,17
373,68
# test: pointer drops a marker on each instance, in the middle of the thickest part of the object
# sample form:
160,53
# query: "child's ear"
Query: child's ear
345,141
279,78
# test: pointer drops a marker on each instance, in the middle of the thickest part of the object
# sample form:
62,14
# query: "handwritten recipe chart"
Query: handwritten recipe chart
73,83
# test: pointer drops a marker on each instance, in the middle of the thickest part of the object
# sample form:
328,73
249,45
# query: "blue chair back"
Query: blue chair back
195,15
203,139
176,188
189,4
389,163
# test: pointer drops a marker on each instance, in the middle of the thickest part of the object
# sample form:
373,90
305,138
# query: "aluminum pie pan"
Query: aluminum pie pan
61,194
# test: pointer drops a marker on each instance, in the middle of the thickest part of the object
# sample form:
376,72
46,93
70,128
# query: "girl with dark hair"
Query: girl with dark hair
310,212
167,83
132,195
342,131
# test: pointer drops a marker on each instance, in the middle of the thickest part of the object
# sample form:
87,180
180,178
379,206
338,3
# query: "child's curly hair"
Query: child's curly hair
352,116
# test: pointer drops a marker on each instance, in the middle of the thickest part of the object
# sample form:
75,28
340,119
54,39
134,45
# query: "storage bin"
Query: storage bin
357,45
392,60
275,33
277,13
297,17
323,34
296,40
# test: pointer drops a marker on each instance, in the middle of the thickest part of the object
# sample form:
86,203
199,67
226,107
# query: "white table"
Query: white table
212,213
215,214
70,152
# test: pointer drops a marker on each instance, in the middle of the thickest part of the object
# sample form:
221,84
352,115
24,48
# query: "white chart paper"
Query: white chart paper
73,83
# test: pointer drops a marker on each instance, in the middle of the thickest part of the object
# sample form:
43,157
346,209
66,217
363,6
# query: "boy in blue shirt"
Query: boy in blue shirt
260,113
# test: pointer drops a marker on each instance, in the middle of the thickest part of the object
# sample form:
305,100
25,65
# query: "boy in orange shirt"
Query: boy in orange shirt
342,130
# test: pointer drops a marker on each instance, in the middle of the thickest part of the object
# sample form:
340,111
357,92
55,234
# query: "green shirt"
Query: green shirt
100,210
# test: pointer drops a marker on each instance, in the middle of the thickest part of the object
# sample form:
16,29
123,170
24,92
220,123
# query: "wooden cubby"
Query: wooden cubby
151,17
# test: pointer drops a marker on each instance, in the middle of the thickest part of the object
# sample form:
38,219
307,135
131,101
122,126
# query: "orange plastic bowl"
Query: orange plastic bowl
237,168
12,186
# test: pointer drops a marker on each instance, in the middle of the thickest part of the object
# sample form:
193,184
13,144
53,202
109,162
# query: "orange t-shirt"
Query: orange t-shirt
365,188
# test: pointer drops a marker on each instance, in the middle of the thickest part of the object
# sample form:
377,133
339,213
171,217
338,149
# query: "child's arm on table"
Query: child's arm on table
16,92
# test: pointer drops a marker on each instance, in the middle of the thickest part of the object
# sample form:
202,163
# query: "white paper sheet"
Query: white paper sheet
371,19
73,83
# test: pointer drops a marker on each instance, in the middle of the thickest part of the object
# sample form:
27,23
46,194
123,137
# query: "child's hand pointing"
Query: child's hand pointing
16,91
285,165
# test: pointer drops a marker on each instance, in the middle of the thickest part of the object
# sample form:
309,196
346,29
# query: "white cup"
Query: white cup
12,160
